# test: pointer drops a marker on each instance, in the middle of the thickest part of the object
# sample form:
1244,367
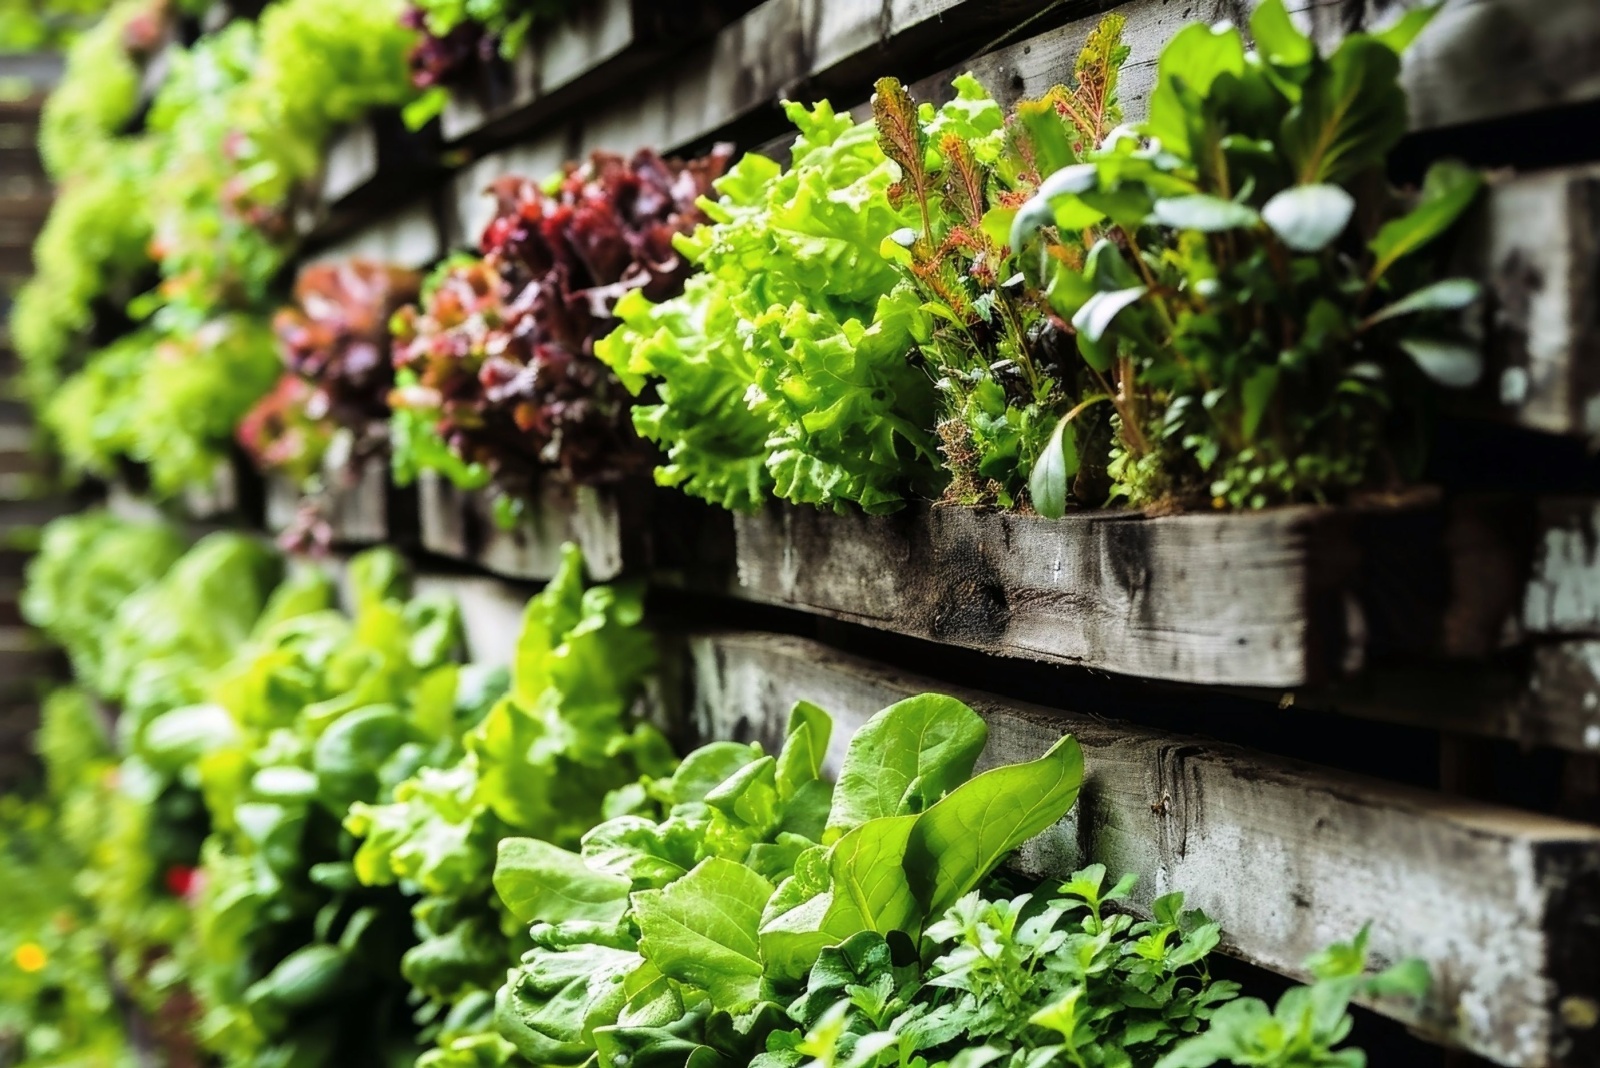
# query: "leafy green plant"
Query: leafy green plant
92,253
1309,1023
1247,291
1015,982
685,920
97,95
784,369
87,565
541,763
169,401
56,1003
315,712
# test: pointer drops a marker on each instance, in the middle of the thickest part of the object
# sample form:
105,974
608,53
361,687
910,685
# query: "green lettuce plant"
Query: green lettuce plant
540,763
784,369
315,711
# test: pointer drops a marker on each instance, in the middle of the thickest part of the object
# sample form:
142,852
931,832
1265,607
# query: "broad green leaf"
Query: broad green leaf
550,1005
1351,112
1450,294
709,767
1189,63
1203,213
177,739
870,892
1447,191
1257,393
1277,38
704,930
960,840
351,751
1100,310
1399,34
904,759
800,760
1449,363
542,883
1053,472
1308,217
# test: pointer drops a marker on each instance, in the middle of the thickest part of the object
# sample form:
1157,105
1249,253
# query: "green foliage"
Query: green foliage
86,567
1015,982
169,401
688,918
56,1004
1252,301
1309,1023
540,763
97,95
146,637
315,712
785,370
93,248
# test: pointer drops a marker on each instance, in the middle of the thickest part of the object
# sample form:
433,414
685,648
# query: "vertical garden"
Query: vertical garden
810,534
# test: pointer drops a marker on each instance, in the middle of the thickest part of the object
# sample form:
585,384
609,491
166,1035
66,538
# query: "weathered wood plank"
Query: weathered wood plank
408,237
1287,597
1287,856
801,48
1563,592
607,526
360,510
594,49
368,168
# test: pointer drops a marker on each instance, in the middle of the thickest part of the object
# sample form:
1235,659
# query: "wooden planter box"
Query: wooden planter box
630,529
1286,856
1282,598
368,511
598,47
609,527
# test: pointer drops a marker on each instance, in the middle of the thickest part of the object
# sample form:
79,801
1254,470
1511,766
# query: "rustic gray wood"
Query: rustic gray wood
1287,597
350,161
218,498
801,48
409,236
594,36
461,525
1287,856
356,510
1563,593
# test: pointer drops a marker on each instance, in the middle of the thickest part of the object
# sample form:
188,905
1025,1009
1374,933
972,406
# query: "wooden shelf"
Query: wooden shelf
1282,598
598,47
369,510
607,526
1287,856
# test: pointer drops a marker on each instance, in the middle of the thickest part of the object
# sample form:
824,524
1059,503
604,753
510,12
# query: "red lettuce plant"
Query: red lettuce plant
334,342
498,365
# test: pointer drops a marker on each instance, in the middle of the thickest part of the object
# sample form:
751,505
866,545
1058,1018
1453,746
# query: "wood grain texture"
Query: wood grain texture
1287,597
606,526
595,49
1289,857
359,509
